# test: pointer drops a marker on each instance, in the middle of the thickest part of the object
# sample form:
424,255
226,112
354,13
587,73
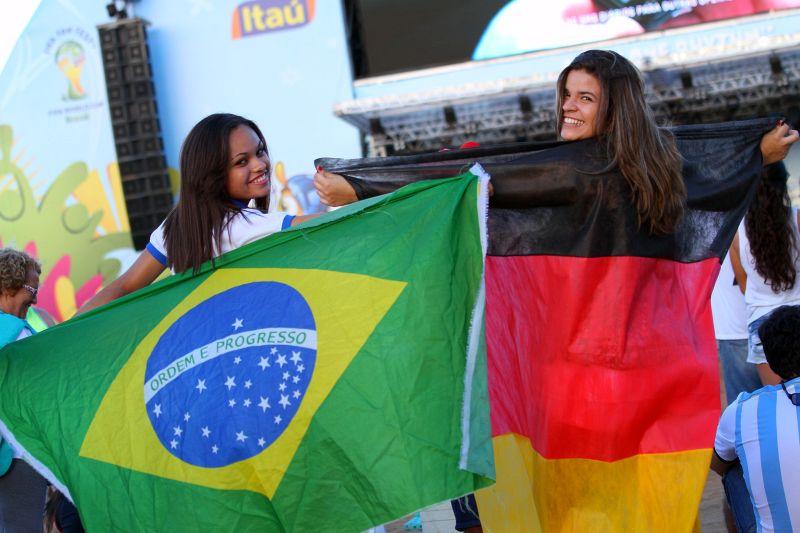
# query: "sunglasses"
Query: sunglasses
794,397
33,290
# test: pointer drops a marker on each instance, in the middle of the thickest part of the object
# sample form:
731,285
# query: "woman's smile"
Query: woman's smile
579,105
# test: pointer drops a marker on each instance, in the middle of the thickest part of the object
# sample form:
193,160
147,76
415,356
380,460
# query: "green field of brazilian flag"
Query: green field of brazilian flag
329,378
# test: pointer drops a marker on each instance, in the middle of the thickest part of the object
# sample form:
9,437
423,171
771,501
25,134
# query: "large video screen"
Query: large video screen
400,35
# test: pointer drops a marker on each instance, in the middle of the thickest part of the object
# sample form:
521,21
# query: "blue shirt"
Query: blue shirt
762,429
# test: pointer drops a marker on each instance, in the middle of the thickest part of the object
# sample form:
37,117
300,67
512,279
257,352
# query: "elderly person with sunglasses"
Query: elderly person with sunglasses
19,284
22,490
759,433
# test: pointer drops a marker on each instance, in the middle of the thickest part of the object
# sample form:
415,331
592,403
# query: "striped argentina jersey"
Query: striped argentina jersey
762,429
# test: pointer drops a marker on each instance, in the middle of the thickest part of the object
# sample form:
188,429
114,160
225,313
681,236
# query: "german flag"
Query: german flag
603,376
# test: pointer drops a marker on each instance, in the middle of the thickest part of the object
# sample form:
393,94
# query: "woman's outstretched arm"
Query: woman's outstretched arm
736,263
333,190
775,144
141,274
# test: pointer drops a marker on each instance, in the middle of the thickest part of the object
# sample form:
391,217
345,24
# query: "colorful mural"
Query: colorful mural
297,194
68,227
60,191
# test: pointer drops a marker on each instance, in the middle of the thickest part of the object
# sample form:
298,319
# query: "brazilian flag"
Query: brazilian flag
327,378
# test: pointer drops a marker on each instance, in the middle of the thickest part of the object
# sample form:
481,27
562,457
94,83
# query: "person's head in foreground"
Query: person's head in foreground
19,282
601,94
780,336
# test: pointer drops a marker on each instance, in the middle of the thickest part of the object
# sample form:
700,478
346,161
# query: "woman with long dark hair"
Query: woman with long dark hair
224,166
601,94
766,259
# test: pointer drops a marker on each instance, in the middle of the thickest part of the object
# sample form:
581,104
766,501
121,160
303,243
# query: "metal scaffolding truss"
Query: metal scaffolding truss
519,109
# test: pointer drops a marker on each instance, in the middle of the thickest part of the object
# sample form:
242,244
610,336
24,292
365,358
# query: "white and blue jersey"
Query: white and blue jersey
762,429
244,227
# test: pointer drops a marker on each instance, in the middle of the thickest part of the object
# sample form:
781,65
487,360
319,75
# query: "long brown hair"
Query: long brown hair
645,155
770,230
195,225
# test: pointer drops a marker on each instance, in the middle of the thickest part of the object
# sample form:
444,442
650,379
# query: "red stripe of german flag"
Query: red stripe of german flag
616,361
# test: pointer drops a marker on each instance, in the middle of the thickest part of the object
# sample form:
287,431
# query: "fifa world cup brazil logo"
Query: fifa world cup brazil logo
70,59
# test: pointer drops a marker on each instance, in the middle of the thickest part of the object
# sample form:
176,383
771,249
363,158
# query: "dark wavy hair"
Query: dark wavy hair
645,154
780,336
770,230
197,221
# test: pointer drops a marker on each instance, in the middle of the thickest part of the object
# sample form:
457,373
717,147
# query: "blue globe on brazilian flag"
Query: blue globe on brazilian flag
322,378
233,388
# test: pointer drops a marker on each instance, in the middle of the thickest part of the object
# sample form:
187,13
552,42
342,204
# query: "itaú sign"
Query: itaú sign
257,17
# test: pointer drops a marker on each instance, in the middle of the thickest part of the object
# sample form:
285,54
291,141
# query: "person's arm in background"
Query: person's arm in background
724,454
765,373
141,274
718,465
736,263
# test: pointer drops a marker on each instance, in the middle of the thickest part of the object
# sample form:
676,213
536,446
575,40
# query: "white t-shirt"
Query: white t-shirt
727,305
244,227
758,296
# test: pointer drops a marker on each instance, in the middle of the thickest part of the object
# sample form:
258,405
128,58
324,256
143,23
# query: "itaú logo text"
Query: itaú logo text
263,16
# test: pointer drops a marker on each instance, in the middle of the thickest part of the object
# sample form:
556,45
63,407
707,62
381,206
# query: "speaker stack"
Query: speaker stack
137,131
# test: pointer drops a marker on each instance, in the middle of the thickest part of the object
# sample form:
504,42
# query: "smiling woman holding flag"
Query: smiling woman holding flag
261,393
602,255
601,95
225,165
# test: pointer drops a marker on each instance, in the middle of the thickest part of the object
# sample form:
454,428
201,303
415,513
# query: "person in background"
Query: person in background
766,258
759,432
22,489
730,329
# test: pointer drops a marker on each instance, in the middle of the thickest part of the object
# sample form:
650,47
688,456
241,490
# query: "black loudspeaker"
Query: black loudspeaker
137,131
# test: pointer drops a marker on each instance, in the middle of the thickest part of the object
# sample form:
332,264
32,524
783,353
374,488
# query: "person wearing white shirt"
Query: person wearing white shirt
766,259
225,167
730,329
